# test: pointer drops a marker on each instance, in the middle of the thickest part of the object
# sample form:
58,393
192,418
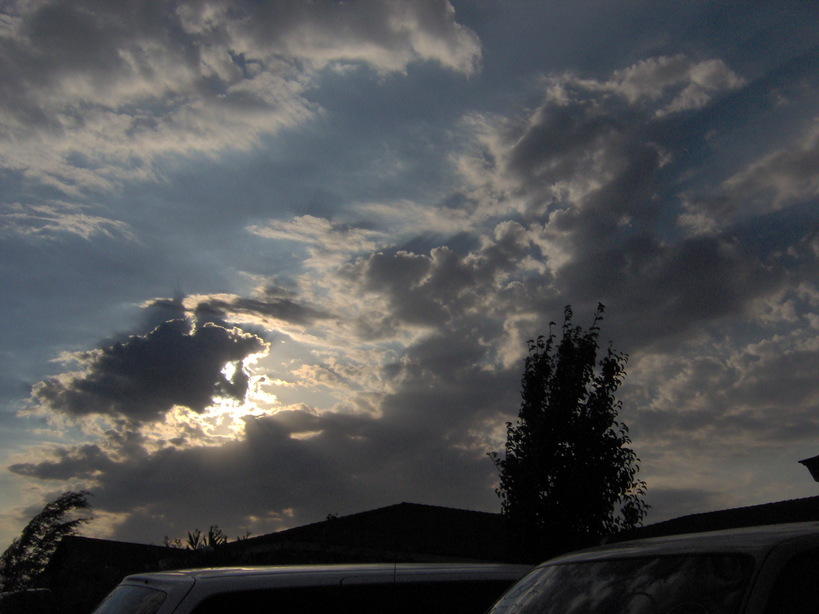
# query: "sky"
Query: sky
266,261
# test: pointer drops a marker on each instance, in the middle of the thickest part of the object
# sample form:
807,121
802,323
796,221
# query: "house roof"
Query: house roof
410,528
793,510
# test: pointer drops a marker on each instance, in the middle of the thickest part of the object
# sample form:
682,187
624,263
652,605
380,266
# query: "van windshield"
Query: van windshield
650,585
128,599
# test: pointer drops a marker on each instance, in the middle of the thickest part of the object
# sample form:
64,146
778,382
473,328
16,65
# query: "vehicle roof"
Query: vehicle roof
750,540
399,570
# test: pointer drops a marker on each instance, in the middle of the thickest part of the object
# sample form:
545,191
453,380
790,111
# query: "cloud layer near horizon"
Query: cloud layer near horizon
363,218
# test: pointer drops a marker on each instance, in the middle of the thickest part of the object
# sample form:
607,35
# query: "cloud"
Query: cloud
83,462
321,375
761,396
581,140
95,94
329,242
346,463
387,35
686,85
144,377
585,174
442,288
57,218
274,305
781,178
682,500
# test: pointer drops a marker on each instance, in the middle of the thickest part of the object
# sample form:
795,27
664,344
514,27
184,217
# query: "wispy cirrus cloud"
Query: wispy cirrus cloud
784,177
59,218
323,236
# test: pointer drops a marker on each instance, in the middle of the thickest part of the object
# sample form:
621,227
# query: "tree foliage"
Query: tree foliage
203,541
28,555
568,476
196,540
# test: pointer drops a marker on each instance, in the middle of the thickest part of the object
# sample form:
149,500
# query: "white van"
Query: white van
431,588
757,570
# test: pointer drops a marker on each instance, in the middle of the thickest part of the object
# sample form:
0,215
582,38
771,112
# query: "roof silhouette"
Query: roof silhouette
401,532
792,510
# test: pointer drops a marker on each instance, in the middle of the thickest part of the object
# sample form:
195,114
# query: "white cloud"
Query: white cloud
57,218
783,176
406,218
320,233
689,85
330,243
123,85
789,175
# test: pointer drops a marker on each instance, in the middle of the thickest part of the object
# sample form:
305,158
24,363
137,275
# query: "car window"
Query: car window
796,590
298,600
672,584
463,597
128,599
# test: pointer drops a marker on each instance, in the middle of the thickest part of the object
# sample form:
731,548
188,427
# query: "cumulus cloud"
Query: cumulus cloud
581,142
759,396
144,377
584,176
679,82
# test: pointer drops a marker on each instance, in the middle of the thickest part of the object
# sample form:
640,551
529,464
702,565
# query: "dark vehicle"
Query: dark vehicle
28,601
759,570
360,589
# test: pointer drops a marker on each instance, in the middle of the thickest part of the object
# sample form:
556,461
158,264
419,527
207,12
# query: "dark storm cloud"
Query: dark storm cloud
663,290
144,377
439,288
347,463
81,462
447,394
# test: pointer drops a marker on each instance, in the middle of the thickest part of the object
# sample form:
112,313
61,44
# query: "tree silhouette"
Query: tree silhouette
568,477
198,541
204,541
28,555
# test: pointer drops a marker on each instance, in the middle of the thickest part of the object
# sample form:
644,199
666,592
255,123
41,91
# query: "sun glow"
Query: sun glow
229,414
222,421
